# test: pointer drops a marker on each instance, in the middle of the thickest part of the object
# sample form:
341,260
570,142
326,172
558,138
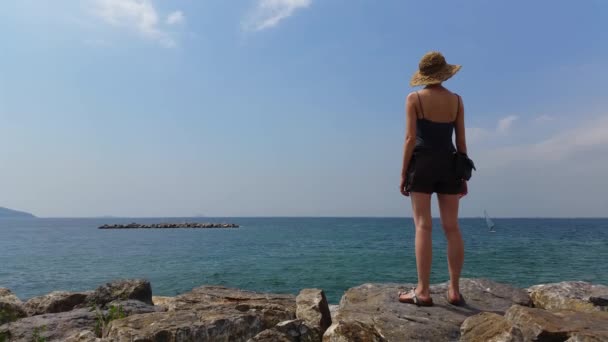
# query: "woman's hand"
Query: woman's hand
465,189
403,186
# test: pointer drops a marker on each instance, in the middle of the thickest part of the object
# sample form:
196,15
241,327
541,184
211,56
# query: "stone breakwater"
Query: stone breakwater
125,310
168,225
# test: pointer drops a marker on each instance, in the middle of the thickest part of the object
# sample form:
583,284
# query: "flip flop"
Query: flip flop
459,302
414,299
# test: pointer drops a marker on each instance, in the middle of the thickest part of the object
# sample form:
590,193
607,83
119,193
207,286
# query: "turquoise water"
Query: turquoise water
284,255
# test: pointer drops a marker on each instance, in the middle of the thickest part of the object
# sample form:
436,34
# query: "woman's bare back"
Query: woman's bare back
437,104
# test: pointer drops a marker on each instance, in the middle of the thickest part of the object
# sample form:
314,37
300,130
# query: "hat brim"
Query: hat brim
444,74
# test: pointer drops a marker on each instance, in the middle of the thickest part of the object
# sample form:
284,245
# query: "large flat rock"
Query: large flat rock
210,295
541,325
65,325
208,313
187,325
50,327
570,295
373,312
489,327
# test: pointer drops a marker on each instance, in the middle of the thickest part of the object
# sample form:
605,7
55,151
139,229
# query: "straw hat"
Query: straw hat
433,69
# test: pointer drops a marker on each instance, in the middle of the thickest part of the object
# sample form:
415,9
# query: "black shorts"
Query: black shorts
431,171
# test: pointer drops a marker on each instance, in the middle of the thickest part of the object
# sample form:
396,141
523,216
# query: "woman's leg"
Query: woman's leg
448,207
421,206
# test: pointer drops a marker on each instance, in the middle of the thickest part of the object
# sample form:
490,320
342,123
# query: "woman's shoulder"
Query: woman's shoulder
413,96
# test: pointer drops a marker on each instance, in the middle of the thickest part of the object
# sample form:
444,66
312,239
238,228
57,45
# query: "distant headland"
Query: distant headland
10,213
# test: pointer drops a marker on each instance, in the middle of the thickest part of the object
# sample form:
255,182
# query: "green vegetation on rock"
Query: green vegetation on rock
36,337
10,313
102,320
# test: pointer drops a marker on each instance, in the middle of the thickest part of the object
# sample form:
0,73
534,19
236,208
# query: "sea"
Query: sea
285,255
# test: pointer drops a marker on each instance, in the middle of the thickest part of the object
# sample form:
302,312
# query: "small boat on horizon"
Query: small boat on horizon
489,222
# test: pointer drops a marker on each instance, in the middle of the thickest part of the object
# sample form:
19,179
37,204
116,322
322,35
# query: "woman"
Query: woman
433,114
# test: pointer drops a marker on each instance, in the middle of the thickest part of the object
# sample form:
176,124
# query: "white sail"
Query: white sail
489,221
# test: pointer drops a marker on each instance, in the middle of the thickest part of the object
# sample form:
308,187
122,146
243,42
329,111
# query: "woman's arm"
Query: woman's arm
461,141
410,138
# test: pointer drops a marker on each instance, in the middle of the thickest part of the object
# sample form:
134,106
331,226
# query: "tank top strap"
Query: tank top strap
420,104
457,107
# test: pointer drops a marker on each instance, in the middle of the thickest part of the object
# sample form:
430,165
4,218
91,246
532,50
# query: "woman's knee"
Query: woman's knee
424,226
451,228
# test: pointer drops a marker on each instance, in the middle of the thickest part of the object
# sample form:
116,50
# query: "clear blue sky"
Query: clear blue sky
293,107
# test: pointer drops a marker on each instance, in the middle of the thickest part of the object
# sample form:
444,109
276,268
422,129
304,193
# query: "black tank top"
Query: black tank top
434,136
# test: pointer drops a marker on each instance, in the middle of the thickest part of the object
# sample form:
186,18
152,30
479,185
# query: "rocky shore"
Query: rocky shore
168,225
125,310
